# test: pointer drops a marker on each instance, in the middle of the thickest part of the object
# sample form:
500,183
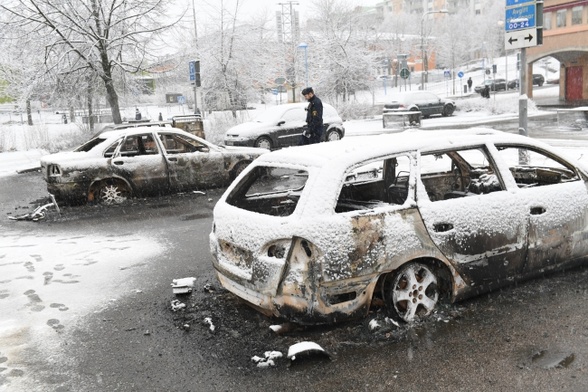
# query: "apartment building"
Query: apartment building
565,37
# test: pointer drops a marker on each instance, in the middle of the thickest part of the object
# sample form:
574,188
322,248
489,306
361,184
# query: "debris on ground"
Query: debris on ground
268,359
284,328
208,288
39,212
305,349
183,286
208,321
177,305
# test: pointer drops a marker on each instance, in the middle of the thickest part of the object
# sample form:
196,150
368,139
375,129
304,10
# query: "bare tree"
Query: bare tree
339,50
107,39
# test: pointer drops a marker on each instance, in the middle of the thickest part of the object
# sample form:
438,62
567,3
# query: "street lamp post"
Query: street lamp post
304,46
425,66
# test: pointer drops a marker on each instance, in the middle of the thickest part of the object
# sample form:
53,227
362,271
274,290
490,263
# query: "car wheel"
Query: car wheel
333,135
113,192
448,110
412,293
264,142
238,168
540,84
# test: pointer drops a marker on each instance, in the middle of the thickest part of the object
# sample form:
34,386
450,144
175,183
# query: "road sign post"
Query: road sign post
523,28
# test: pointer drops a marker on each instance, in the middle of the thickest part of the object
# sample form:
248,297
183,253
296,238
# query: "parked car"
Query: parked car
281,126
118,164
538,80
494,84
426,102
317,234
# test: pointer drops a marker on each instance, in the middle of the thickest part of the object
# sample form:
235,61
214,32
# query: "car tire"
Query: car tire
111,192
448,110
238,168
333,135
540,84
412,292
264,142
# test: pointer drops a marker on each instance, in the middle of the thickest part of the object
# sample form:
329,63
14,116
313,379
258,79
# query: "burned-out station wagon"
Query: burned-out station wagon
314,234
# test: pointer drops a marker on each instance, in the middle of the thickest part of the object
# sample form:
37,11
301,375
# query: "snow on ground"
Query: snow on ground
50,280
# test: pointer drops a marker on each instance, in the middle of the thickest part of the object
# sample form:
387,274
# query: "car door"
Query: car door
191,163
470,216
293,121
434,104
557,206
139,160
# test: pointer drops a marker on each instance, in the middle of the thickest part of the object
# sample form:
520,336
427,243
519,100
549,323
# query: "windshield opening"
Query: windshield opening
269,190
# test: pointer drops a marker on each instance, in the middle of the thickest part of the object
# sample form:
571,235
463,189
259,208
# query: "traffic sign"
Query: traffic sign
404,73
521,39
519,18
510,3
460,74
192,66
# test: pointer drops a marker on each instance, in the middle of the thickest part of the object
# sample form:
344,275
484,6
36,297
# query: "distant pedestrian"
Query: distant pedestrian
486,92
137,114
64,118
160,117
470,84
314,118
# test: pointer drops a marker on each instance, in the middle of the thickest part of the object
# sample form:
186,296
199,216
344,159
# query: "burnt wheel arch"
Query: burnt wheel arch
444,286
110,191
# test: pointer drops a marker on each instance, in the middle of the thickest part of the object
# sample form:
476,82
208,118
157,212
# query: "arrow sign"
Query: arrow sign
520,39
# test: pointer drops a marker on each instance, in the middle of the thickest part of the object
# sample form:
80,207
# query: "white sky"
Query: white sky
251,8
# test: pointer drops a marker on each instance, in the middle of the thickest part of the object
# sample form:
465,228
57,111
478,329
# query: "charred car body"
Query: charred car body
313,234
119,164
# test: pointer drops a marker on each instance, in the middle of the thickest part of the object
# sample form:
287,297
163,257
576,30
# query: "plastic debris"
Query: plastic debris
211,326
183,286
268,359
208,288
374,324
39,212
307,348
177,305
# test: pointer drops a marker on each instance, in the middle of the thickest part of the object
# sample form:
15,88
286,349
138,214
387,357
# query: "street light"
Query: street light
304,46
423,53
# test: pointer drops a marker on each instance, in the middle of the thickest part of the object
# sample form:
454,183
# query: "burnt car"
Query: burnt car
281,126
427,103
493,84
139,161
317,234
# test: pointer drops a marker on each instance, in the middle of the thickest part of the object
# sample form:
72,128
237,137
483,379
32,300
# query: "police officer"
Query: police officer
314,118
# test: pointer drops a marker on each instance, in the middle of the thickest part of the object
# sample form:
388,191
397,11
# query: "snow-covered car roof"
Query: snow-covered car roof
348,151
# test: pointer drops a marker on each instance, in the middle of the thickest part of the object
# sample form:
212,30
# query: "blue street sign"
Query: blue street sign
510,3
520,18
460,74
181,100
192,65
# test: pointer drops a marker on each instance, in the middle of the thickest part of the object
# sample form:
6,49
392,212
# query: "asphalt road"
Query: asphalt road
530,337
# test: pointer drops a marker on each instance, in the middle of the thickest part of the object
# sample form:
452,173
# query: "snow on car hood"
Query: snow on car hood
249,128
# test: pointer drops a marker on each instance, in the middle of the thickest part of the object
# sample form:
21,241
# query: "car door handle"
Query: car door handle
442,227
172,159
118,162
537,210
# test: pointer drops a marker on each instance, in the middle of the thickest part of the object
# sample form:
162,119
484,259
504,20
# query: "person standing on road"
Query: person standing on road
137,114
314,118
470,84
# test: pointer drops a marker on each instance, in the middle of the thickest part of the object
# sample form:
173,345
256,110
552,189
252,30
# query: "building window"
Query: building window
577,15
560,18
547,21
